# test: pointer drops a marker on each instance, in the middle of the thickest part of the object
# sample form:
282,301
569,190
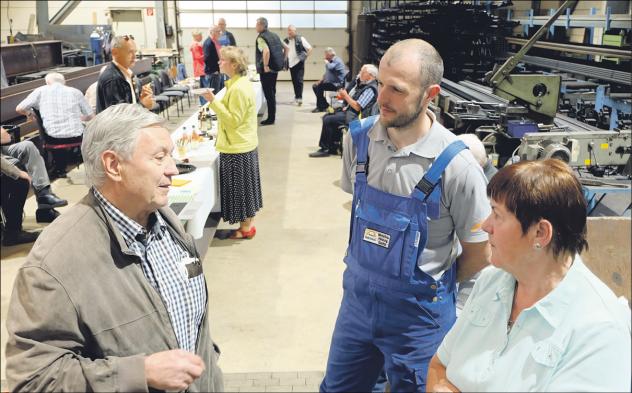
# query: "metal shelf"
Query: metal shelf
620,21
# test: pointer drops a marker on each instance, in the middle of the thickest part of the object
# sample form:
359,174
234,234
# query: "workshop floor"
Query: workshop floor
273,299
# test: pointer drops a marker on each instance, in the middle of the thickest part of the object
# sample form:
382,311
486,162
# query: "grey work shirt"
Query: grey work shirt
464,203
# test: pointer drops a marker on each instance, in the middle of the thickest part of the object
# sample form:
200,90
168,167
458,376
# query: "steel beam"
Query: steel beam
64,11
571,48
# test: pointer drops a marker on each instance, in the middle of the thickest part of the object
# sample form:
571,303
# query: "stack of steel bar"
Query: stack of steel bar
466,35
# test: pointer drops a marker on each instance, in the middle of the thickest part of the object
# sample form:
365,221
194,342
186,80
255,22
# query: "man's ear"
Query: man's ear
111,165
431,92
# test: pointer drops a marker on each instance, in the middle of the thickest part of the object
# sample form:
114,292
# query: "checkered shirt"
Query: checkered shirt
364,98
61,108
161,256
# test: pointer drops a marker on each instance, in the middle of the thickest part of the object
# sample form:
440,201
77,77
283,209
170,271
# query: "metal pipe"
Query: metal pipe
585,50
64,11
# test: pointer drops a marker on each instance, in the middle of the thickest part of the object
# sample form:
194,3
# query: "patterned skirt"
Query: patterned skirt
240,186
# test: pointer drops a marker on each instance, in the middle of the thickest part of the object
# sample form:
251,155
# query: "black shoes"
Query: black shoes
49,200
319,153
46,215
318,110
267,122
13,238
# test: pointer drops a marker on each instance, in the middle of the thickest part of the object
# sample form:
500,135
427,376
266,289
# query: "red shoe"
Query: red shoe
244,235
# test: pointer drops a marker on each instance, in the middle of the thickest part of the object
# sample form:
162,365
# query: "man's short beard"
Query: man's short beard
404,121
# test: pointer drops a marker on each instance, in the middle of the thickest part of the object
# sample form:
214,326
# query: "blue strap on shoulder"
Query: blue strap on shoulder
429,187
359,130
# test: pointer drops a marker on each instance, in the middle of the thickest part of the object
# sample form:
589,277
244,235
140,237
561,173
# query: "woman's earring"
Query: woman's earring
537,246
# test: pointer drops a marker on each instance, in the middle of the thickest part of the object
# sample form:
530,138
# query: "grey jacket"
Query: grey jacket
82,315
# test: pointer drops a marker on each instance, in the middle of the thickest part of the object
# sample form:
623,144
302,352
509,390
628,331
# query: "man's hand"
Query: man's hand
266,69
25,176
173,370
5,137
326,61
443,387
147,96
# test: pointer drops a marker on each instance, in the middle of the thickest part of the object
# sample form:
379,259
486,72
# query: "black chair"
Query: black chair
170,90
161,102
56,150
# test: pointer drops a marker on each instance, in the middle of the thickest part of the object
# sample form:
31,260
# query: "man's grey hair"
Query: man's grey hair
54,77
263,21
214,28
330,50
476,147
115,129
371,69
118,41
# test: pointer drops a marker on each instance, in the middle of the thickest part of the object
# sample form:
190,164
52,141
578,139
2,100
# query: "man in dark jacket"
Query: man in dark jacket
211,47
360,98
118,84
142,323
270,51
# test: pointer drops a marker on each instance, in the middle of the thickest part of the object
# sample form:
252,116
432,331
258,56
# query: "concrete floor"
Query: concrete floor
273,299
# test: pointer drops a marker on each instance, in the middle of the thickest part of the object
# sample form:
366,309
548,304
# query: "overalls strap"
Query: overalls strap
359,130
427,186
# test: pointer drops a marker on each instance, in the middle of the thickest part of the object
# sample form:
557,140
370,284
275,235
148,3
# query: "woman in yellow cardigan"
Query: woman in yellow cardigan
240,184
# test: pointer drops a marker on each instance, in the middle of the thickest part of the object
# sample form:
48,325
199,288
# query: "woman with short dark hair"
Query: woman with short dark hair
540,320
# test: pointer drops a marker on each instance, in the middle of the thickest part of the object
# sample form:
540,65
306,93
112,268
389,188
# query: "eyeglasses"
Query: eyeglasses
127,37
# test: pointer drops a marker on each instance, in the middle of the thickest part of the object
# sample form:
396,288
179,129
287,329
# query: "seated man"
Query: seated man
14,188
361,97
332,80
25,155
62,109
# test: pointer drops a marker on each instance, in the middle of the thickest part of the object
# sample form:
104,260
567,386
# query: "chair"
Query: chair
161,102
58,148
169,88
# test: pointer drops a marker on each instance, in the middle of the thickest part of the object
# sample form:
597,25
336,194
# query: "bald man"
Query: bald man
418,204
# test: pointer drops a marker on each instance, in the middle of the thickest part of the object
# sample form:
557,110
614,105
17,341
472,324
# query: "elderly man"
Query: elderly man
360,99
26,158
419,199
226,38
270,54
62,109
211,48
299,50
118,84
332,80
142,323
14,189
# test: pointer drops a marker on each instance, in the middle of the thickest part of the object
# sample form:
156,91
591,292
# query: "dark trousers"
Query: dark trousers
13,195
319,89
268,84
297,72
60,156
330,134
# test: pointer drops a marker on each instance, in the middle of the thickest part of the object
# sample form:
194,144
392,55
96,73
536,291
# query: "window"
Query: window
196,19
297,5
298,20
274,20
280,14
331,20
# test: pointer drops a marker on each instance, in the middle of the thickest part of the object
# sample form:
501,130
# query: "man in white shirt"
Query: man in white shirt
63,109
299,50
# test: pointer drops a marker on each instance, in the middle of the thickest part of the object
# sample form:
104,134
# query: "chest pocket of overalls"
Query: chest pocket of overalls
382,241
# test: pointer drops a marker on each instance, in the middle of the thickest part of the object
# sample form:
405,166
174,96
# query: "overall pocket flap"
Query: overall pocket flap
392,220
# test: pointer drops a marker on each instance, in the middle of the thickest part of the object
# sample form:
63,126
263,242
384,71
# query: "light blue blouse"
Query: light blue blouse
577,338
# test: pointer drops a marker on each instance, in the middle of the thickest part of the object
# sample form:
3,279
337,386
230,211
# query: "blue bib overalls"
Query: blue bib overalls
392,315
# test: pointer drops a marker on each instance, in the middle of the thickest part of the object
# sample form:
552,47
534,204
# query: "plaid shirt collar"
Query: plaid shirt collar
131,230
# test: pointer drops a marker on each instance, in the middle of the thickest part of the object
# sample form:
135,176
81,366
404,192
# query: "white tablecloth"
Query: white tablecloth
202,194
